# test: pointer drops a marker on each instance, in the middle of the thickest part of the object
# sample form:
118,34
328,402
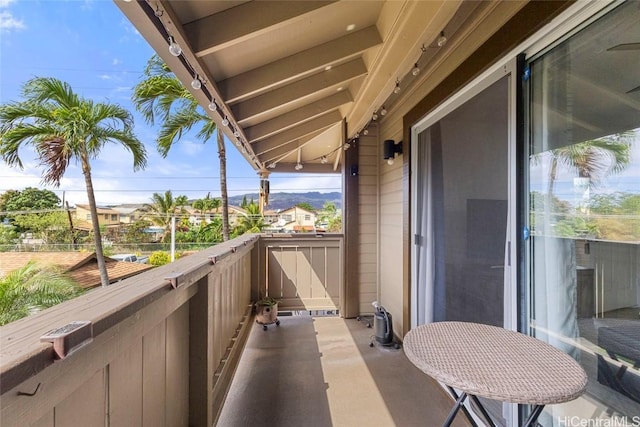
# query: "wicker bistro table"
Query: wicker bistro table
495,363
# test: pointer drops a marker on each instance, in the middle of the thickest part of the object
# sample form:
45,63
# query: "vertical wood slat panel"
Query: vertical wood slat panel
319,272
86,405
303,272
275,273
154,376
217,319
289,269
46,421
125,388
334,274
177,365
200,364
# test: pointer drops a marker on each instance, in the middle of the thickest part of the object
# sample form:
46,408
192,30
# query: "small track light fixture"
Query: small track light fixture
225,121
442,40
397,89
174,47
324,160
374,116
298,166
365,132
346,146
383,111
213,106
196,83
416,68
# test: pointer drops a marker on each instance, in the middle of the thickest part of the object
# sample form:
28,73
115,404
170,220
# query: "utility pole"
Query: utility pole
73,236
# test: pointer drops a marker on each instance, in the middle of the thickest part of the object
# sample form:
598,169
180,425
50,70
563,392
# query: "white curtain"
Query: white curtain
555,292
423,238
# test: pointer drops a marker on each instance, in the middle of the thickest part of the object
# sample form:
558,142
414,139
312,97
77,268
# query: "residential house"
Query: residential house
196,217
451,123
82,267
296,219
129,213
108,217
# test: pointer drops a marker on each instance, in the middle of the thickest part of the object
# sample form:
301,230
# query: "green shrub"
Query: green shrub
159,258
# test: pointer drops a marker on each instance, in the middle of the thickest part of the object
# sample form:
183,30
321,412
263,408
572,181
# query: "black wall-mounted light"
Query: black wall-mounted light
390,149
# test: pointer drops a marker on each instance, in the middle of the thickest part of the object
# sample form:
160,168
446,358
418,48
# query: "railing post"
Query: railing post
201,363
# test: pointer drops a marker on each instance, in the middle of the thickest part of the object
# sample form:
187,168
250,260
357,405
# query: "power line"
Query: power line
243,190
271,178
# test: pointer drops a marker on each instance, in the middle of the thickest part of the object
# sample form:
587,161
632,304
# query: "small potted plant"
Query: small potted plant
267,312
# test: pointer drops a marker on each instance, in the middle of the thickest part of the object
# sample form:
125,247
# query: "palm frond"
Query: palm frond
44,89
55,156
208,128
32,288
172,129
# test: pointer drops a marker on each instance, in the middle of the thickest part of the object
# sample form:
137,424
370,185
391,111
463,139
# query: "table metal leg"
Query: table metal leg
455,410
462,407
483,411
533,417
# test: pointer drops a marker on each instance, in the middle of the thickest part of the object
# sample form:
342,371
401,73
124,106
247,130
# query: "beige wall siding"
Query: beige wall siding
391,185
368,227
391,225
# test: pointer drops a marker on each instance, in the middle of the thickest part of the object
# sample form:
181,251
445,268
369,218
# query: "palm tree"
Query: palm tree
253,222
206,204
594,159
162,208
62,127
161,95
33,288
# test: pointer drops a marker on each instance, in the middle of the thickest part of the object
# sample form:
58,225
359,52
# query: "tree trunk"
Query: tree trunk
95,223
223,186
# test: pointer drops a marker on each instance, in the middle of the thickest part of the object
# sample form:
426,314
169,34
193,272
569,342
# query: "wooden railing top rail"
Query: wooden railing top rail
22,354
301,236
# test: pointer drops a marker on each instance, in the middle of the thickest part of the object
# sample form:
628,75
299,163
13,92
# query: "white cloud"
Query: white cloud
191,148
116,61
8,22
105,77
5,3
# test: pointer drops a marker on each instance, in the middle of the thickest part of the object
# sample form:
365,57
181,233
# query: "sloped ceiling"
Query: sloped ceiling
295,79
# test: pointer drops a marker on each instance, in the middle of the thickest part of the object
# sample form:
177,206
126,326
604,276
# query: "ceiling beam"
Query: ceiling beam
234,25
276,98
252,82
288,120
292,134
276,155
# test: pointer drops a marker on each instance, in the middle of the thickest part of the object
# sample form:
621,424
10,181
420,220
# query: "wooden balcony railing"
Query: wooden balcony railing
160,348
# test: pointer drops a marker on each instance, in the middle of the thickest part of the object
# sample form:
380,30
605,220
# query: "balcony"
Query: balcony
178,346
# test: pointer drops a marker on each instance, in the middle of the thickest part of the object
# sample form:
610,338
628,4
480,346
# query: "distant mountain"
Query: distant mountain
287,200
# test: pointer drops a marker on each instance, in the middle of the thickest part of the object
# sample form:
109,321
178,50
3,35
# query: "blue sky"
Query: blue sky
94,48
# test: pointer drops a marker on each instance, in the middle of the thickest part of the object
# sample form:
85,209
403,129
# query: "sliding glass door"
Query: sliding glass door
583,255
461,226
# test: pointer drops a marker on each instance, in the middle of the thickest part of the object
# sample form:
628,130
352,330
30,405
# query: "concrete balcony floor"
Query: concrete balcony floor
321,371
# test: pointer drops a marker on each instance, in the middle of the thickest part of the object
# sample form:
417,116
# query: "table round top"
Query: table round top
496,363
